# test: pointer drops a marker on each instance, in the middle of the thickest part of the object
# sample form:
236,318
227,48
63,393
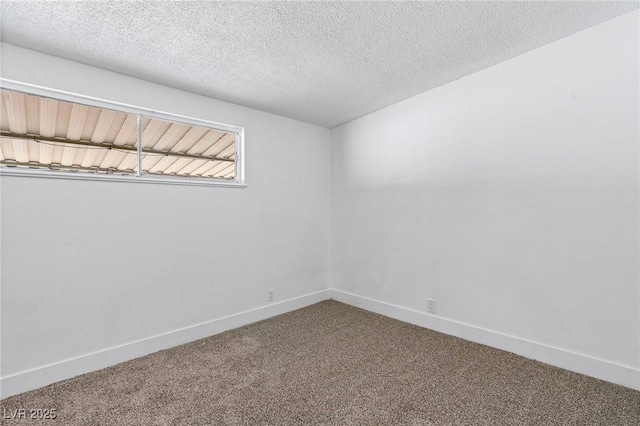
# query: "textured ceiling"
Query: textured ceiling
320,62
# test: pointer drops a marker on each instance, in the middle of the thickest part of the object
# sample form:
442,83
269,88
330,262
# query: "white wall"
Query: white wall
511,197
88,265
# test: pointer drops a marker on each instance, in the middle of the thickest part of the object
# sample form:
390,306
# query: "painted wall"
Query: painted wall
510,196
90,265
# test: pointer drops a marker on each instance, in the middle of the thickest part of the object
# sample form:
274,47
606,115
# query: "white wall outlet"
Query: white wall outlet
431,306
270,295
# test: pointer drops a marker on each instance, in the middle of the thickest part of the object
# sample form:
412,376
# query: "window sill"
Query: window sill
160,180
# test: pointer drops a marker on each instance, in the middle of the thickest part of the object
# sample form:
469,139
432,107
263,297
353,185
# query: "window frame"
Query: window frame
61,95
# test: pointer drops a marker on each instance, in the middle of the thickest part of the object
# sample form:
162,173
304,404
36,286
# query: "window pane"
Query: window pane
177,149
46,133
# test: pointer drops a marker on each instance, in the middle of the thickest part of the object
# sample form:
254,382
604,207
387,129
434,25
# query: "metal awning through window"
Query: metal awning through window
44,133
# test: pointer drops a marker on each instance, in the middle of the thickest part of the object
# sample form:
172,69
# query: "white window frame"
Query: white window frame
61,95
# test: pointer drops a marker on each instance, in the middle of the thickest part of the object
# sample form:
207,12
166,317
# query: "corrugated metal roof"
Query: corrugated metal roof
47,133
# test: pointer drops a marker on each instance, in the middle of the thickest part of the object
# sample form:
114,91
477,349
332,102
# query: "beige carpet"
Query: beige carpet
332,364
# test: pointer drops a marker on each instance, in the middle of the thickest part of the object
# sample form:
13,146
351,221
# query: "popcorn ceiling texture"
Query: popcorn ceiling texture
321,62
332,364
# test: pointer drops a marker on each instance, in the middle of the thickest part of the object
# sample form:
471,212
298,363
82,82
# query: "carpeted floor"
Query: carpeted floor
332,364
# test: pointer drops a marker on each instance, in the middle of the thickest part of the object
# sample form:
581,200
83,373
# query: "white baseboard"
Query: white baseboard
66,369
579,363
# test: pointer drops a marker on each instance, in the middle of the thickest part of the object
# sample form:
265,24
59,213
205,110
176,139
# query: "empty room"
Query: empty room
320,213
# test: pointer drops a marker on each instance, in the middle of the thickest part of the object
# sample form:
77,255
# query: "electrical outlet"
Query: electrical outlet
431,306
270,295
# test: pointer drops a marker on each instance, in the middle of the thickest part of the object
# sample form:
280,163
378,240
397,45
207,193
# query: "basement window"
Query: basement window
63,138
